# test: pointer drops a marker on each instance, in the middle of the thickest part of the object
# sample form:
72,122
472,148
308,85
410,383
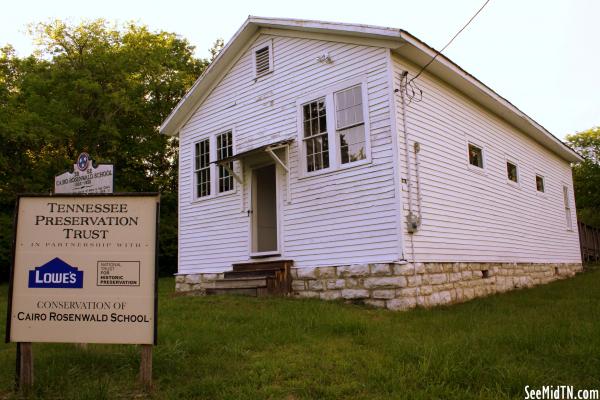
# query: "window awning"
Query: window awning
257,150
267,148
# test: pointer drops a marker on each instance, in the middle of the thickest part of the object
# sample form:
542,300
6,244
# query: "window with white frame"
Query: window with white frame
475,155
350,124
315,135
567,208
512,172
334,128
539,183
224,150
202,168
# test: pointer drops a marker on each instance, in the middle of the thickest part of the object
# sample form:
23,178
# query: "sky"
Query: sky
542,56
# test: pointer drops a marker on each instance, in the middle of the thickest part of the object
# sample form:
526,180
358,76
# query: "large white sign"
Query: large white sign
84,269
85,178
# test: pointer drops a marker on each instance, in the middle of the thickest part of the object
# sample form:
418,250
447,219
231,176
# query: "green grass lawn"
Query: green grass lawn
274,348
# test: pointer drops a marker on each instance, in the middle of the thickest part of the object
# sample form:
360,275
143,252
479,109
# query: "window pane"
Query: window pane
202,168
224,150
314,109
539,183
322,124
321,108
315,133
325,151
352,144
314,126
511,172
318,161
348,106
310,163
306,112
475,156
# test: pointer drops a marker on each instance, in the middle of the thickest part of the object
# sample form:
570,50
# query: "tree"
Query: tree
586,175
99,88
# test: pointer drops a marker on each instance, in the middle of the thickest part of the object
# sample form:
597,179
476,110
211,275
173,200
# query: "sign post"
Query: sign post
84,271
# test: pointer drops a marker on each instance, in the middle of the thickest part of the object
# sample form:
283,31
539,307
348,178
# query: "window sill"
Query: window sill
198,200
331,170
265,254
514,184
478,170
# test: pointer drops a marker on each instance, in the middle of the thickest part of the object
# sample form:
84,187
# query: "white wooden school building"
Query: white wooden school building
307,152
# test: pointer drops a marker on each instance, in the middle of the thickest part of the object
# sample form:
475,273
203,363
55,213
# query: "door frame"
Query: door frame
252,219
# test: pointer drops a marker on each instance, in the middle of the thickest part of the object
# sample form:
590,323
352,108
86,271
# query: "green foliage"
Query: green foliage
99,88
277,348
586,175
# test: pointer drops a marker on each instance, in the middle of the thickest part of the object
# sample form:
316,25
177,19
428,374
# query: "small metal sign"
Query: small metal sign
86,178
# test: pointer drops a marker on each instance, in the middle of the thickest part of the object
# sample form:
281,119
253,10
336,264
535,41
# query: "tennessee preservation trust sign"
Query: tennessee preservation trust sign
84,269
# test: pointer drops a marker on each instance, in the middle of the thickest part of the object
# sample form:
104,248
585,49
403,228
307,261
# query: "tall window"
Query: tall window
350,124
511,172
202,168
315,135
567,208
224,150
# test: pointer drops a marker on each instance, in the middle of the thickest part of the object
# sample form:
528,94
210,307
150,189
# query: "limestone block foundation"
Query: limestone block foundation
196,283
398,286
404,286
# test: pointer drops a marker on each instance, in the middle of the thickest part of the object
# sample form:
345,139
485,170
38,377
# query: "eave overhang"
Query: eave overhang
398,41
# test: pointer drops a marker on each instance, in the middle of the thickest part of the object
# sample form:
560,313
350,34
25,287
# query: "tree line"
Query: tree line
99,88
104,89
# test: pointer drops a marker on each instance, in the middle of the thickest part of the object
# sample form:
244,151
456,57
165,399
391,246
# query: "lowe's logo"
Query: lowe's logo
56,274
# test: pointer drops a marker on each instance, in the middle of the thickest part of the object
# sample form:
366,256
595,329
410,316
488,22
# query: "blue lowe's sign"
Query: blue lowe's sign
56,274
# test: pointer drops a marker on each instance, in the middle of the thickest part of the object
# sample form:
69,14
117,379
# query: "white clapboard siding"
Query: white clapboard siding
342,217
469,215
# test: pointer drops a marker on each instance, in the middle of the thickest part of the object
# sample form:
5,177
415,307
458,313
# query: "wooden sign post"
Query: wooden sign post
146,366
24,366
84,271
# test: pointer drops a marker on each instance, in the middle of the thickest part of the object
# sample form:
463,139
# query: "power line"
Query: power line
451,40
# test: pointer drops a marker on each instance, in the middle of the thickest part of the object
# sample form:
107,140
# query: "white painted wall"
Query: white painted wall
472,216
343,217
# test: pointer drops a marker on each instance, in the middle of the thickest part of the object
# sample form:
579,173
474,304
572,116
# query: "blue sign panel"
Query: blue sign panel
56,274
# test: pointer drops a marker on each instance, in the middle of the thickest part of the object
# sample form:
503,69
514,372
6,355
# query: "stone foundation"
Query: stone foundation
405,286
196,283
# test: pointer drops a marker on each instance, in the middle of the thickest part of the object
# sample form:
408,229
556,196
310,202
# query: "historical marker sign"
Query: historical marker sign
84,269
86,178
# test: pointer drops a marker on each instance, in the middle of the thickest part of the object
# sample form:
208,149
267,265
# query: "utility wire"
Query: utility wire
448,44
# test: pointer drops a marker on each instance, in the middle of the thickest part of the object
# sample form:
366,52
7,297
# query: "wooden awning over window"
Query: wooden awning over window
269,149
265,148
